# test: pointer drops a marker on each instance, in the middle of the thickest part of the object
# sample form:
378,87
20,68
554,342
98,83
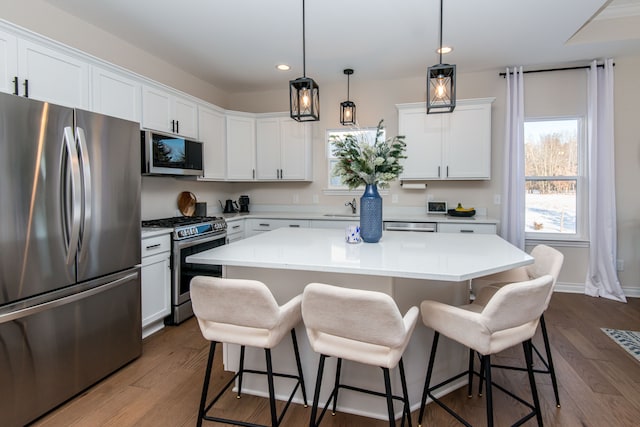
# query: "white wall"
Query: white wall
548,93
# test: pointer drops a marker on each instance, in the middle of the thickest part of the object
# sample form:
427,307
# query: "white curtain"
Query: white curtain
602,279
513,192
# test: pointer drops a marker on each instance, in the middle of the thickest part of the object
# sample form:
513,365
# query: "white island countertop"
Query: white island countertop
431,256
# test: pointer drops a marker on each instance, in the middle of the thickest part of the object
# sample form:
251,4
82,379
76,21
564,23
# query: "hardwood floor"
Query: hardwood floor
599,382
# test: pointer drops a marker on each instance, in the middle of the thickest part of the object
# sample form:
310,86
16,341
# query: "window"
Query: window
554,179
369,134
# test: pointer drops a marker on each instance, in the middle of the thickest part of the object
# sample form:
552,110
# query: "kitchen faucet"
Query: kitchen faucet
353,205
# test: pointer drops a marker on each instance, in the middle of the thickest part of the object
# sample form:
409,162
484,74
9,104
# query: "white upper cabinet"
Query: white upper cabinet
241,147
165,111
454,146
115,94
212,133
8,62
283,149
38,71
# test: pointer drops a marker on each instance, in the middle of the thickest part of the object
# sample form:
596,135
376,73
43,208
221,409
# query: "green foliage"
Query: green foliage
360,162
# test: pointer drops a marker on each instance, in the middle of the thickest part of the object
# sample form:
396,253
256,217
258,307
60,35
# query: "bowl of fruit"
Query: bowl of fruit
462,211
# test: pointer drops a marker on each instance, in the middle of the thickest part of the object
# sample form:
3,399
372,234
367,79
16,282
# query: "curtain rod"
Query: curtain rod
555,69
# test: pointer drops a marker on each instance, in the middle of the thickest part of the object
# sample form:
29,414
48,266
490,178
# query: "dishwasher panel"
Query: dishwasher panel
425,227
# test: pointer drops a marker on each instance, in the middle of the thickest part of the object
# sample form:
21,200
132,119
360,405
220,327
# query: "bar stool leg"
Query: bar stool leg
336,386
297,353
552,370
272,393
240,372
427,381
486,360
316,395
481,382
205,386
470,380
528,356
405,394
387,387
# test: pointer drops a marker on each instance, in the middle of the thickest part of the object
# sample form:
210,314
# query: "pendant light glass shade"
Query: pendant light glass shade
304,93
441,88
441,83
348,108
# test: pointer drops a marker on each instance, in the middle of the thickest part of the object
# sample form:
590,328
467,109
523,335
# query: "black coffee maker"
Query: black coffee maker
243,201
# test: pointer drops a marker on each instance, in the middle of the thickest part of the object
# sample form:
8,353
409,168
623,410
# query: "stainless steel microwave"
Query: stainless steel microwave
164,154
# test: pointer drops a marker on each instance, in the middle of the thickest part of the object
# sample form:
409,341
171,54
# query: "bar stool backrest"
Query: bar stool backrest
547,261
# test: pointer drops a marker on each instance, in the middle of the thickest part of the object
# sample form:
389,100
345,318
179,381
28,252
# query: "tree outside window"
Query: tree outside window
553,182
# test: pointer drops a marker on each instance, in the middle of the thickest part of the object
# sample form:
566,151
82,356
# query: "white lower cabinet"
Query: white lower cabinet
235,231
258,225
156,283
466,228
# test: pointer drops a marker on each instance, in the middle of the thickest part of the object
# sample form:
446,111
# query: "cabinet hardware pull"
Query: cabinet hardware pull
173,125
177,126
15,85
447,171
235,226
294,225
157,245
466,231
264,225
254,173
26,88
438,171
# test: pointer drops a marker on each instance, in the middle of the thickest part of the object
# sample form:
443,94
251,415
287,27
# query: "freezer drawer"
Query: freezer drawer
67,345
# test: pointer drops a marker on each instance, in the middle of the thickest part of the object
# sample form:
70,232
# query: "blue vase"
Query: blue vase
371,214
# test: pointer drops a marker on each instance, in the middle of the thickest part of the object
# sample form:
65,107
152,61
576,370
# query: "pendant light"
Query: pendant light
348,108
304,93
441,83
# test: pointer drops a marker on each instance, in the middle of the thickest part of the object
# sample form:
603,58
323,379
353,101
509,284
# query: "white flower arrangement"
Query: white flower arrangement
361,163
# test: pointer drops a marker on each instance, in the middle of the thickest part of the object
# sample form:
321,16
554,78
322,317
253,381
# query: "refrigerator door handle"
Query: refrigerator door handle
74,235
85,168
29,311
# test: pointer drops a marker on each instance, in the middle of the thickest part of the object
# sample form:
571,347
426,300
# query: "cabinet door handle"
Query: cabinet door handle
177,126
173,125
294,225
438,171
26,88
254,173
447,171
157,245
264,225
466,231
235,227
15,85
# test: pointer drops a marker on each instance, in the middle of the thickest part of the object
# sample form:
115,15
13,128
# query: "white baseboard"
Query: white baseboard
578,288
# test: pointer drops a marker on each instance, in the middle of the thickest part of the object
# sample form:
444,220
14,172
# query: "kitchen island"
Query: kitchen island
410,267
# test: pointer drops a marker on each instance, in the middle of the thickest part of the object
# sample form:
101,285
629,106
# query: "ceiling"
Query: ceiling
236,44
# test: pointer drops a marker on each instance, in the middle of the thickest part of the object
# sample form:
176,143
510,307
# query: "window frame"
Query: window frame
580,238
342,189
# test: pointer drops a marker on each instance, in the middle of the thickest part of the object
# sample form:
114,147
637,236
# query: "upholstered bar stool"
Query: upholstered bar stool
244,312
547,260
510,317
361,326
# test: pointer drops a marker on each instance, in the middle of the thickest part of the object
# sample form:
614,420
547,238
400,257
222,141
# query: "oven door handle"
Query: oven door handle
181,244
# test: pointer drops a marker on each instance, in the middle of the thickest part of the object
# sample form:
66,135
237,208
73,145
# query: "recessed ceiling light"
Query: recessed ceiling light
283,67
445,50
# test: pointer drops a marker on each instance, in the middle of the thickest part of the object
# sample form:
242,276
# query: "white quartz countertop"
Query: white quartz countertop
432,256
347,217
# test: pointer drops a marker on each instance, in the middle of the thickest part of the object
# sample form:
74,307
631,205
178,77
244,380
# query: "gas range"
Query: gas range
187,227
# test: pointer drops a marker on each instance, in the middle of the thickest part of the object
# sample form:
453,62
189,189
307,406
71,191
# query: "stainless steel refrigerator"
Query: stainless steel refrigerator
69,253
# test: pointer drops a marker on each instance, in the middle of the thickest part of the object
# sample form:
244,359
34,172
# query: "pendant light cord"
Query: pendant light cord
440,30
304,61
348,75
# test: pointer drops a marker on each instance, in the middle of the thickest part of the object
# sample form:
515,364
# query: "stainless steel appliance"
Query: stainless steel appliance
69,253
164,154
190,235
428,227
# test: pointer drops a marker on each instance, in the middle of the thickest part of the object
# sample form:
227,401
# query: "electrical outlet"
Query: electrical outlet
620,264
296,198
496,199
429,197
394,198
315,199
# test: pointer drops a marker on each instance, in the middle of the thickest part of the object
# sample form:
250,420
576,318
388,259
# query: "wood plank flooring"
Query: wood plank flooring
599,382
